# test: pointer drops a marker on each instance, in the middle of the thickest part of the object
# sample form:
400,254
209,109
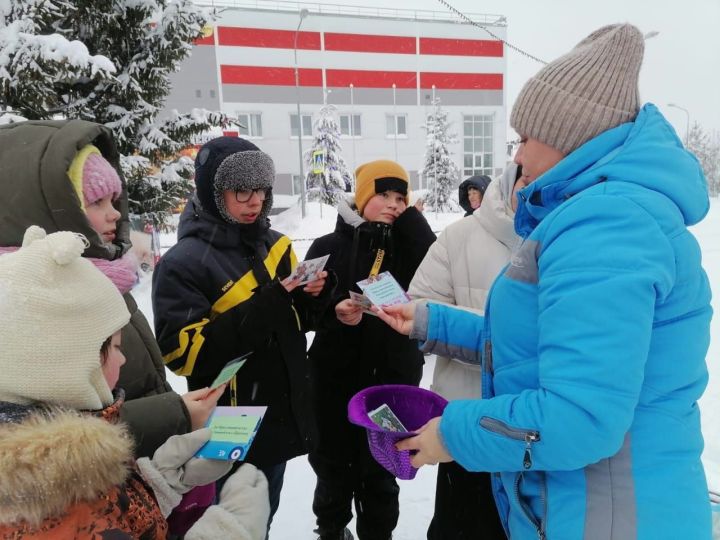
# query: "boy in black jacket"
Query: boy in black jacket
352,351
222,291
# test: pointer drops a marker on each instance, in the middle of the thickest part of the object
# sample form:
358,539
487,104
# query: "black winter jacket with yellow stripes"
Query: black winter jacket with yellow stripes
216,296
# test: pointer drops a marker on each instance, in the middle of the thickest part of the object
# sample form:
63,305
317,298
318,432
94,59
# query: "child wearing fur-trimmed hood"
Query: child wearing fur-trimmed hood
60,362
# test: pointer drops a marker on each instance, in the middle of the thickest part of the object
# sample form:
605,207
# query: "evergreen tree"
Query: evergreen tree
439,169
708,153
329,185
109,61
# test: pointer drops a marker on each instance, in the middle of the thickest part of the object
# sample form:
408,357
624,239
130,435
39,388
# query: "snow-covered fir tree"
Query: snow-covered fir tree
329,185
109,61
439,170
707,151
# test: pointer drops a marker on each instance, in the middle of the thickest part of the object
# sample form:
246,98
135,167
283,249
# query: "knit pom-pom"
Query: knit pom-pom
33,233
66,246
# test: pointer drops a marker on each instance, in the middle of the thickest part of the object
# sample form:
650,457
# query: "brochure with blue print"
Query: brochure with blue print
233,431
383,290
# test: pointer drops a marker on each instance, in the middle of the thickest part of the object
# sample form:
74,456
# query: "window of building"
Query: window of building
212,93
478,144
198,93
350,125
396,125
306,125
252,123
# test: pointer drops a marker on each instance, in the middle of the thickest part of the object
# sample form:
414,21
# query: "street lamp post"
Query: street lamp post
395,120
687,124
303,14
352,132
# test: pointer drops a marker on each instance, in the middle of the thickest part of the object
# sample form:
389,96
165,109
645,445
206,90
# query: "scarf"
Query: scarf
122,272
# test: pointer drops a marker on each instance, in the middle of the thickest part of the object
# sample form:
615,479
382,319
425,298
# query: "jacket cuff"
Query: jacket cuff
153,419
420,323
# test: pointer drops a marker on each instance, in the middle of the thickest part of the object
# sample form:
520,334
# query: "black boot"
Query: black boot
342,535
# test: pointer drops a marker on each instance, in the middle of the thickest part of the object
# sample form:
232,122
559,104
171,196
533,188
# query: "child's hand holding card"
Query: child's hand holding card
362,301
308,270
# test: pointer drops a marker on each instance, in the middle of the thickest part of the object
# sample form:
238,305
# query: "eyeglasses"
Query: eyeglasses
246,194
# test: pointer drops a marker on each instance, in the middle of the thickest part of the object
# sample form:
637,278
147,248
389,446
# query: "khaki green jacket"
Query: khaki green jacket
36,190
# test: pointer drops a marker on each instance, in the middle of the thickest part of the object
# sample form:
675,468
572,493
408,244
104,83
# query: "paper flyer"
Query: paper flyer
233,431
307,270
384,417
383,290
229,371
362,301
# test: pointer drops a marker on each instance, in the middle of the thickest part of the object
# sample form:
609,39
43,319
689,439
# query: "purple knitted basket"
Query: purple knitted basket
412,405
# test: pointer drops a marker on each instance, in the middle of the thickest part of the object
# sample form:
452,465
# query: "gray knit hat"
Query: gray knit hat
591,89
251,169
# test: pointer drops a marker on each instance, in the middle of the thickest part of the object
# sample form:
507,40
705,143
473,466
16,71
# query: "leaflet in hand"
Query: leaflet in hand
384,417
308,270
383,290
362,301
229,371
233,431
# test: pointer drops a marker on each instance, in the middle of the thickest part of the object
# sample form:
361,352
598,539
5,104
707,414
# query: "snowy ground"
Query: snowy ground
295,520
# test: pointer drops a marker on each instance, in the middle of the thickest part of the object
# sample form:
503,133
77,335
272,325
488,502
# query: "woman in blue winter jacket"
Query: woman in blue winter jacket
594,338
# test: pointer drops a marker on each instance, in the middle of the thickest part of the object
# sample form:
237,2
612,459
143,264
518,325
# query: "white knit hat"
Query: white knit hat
56,310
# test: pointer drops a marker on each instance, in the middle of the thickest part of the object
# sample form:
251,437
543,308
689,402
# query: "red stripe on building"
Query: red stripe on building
370,79
369,43
210,40
461,47
462,81
262,37
275,76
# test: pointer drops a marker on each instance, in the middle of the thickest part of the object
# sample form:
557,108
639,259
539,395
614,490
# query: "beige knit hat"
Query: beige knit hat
591,89
56,309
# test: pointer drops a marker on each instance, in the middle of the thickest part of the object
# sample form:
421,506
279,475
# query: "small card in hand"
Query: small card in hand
362,301
308,270
384,417
229,371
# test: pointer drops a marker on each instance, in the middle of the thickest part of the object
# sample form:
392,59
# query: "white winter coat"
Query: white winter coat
460,268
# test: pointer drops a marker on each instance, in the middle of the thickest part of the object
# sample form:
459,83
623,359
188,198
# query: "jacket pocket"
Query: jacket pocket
528,436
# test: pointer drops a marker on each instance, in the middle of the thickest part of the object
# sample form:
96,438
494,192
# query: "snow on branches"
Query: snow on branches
109,61
707,151
31,62
440,171
327,177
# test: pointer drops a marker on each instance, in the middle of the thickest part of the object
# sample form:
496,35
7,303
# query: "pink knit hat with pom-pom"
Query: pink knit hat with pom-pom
93,176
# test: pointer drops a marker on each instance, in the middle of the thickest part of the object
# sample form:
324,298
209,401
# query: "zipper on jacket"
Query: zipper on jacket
488,359
538,524
529,436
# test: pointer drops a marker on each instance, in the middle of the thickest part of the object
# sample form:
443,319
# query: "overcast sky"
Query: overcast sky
681,66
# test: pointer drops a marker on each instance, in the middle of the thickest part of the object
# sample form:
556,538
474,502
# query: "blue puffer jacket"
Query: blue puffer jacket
593,348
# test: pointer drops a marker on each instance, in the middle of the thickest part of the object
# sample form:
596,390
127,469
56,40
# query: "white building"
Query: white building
380,67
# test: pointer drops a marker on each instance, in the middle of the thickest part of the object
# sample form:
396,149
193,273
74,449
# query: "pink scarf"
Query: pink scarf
122,272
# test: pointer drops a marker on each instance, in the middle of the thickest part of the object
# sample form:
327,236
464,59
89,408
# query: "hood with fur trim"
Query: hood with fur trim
52,459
